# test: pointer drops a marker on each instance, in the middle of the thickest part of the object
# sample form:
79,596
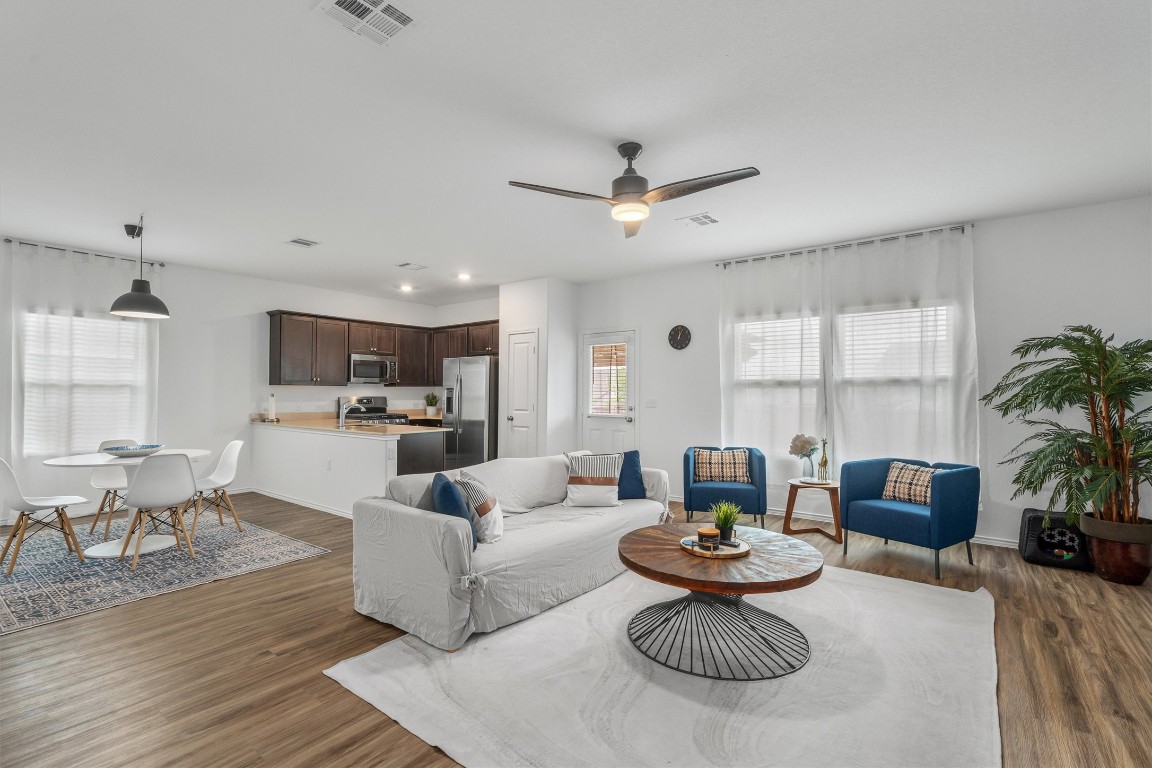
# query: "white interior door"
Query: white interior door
522,413
608,392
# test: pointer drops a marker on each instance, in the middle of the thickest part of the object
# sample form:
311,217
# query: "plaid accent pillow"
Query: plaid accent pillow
593,479
908,482
483,509
727,466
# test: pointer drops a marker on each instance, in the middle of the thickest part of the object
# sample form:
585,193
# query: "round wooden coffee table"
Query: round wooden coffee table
711,631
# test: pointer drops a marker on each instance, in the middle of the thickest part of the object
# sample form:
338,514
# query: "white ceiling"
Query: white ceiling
237,126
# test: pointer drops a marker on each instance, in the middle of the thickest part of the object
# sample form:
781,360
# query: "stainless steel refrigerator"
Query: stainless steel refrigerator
469,410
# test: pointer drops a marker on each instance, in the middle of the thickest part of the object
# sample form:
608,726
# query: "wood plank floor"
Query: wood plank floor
229,673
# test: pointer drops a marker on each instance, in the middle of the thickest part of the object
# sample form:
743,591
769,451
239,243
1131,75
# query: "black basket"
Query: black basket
1060,545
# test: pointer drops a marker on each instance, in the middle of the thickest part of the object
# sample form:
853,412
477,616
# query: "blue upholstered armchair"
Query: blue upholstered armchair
948,520
752,497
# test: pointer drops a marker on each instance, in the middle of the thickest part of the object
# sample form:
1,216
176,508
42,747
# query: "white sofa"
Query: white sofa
415,568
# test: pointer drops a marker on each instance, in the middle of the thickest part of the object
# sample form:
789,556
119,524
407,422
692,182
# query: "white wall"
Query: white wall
466,312
1033,275
548,306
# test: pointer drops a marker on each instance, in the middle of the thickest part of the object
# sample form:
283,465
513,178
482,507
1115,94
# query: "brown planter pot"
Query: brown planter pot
1121,552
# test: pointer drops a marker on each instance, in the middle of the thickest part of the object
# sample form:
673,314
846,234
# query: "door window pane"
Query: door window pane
608,390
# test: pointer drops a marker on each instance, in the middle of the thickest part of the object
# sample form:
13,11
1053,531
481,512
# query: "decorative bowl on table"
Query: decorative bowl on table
133,451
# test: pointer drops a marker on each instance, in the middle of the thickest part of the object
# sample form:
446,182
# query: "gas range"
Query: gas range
371,411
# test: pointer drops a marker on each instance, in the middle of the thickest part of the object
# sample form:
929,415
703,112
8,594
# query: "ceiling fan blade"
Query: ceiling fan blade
688,186
562,192
631,228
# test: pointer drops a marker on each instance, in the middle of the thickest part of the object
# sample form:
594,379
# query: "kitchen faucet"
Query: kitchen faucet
347,407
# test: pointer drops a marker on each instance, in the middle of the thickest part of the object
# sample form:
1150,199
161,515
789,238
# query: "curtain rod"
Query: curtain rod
846,244
82,253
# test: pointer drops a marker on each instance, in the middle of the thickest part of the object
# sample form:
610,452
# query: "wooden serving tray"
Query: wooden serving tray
721,553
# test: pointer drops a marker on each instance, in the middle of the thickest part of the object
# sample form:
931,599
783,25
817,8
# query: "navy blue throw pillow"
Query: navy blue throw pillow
447,499
631,485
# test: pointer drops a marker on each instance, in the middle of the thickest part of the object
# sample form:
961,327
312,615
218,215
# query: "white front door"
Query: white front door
608,392
522,431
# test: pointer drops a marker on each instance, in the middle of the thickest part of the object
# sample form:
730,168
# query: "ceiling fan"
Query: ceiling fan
631,196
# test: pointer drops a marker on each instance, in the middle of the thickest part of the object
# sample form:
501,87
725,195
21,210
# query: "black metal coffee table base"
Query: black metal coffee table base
718,636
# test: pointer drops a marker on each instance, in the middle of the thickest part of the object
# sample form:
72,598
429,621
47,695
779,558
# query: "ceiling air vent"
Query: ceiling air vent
302,243
374,19
697,220
411,266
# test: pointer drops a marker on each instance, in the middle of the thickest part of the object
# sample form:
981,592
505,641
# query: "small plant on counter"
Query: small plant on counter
431,399
725,514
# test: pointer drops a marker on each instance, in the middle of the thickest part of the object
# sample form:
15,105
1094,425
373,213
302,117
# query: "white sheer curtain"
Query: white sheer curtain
78,374
869,344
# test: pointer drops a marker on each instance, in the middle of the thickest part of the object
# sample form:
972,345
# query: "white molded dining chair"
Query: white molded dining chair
217,483
164,486
113,481
34,510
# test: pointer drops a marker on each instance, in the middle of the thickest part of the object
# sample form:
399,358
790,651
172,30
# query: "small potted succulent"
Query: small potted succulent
725,515
431,400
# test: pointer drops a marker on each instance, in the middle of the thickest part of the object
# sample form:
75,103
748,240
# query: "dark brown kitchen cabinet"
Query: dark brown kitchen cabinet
412,348
371,339
307,350
447,342
484,339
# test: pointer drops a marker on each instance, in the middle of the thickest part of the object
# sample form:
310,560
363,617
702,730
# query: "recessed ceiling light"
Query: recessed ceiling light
406,288
464,276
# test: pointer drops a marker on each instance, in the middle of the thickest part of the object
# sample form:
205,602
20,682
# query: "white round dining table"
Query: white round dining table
152,542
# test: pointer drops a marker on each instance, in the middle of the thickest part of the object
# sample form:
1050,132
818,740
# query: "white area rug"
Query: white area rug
901,674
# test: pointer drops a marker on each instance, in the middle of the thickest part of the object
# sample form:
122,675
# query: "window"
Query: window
86,379
895,344
778,350
608,390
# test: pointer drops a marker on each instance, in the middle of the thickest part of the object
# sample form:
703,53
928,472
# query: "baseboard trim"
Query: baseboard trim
301,502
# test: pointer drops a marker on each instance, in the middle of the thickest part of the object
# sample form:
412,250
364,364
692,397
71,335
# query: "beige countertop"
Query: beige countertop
332,425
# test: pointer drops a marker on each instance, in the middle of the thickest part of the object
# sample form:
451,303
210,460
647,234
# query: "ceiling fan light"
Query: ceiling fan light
630,211
139,302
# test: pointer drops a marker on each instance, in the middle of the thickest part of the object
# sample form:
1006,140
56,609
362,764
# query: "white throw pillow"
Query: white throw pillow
594,480
483,508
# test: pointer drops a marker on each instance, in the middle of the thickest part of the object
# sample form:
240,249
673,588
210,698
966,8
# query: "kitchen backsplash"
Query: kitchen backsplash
298,399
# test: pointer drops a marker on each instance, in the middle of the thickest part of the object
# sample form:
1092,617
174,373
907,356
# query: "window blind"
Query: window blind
608,393
86,379
785,349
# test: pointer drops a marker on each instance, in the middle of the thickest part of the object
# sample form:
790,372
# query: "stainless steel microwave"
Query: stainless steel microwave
372,369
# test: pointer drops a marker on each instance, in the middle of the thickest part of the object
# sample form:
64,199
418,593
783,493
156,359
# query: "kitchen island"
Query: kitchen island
313,462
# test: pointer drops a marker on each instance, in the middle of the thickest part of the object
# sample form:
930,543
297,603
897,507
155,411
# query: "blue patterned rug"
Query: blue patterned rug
49,583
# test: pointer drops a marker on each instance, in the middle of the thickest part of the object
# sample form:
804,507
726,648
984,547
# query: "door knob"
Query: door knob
629,419
509,418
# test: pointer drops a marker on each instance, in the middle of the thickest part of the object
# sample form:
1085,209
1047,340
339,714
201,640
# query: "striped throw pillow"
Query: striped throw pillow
483,509
909,482
593,480
727,466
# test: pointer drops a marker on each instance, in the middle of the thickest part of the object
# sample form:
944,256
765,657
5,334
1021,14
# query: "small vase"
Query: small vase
430,410
725,533
809,470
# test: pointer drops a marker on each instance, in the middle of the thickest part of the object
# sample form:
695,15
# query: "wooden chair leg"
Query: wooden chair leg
198,498
69,531
63,527
219,504
22,523
11,535
182,529
136,520
99,511
232,509
139,542
108,516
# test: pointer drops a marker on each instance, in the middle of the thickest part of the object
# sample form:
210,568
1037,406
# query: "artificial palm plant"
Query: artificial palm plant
1098,469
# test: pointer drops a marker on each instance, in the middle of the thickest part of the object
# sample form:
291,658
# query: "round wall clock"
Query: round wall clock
679,337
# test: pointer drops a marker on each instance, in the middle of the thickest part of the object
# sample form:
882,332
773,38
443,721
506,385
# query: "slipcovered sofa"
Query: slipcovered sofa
416,569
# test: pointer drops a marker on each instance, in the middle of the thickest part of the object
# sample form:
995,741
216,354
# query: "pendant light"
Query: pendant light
139,302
